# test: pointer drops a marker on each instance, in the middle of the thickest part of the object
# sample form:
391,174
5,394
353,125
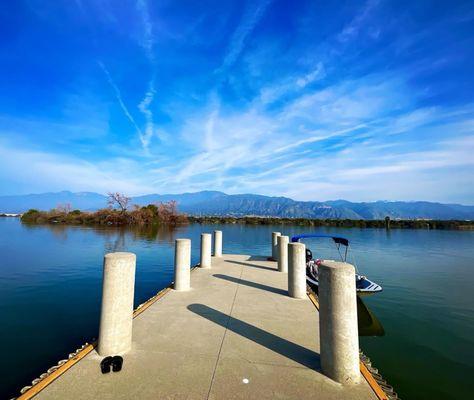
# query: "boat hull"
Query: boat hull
368,287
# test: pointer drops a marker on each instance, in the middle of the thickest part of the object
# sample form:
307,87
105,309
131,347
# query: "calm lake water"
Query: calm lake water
50,287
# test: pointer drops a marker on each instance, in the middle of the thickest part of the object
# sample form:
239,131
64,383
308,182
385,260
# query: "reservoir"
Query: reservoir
50,288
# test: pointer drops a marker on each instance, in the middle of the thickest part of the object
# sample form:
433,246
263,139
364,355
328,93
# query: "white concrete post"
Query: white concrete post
338,322
116,315
283,253
297,270
275,245
206,247
217,243
182,264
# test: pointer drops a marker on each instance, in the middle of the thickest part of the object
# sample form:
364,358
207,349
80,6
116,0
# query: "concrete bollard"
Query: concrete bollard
338,322
206,245
182,264
297,270
283,253
275,245
217,243
116,315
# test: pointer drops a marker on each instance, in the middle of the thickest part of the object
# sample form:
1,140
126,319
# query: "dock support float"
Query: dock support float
206,247
275,245
282,242
115,332
217,243
338,322
182,264
297,270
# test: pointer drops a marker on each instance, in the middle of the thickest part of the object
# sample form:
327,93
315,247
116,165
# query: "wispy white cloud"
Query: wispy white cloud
71,173
315,74
352,29
329,142
144,107
320,136
210,124
290,86
146,40
250,19
350,101
118,97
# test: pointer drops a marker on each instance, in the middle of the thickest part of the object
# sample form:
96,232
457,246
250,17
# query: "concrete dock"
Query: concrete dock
235,335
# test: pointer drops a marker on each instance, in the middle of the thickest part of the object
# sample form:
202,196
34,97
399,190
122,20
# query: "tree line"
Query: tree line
385,223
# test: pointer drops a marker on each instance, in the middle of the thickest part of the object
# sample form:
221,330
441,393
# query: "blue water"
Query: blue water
50,280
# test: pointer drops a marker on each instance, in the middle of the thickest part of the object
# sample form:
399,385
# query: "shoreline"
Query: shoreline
340,223
135,218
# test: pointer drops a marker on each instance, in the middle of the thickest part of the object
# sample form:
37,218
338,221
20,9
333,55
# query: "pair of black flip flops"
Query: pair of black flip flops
114,362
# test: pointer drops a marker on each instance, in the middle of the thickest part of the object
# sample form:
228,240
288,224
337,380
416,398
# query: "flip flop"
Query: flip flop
105,364
117,362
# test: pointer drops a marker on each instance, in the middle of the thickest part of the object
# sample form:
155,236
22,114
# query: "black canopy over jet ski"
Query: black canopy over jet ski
364,286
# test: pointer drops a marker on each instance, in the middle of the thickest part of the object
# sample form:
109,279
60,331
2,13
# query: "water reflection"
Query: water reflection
155,233
115,238
116,242
59,231
367,322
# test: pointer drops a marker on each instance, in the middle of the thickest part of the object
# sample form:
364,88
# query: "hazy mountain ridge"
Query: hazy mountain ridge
219,203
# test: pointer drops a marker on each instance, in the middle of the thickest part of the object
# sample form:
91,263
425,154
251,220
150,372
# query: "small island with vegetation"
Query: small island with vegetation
120,213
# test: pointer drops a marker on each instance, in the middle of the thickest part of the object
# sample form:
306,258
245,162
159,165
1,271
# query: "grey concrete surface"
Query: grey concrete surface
235,335
338,322
118,285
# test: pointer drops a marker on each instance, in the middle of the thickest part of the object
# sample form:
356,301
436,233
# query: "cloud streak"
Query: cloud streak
250,19
144,107
352,29
118,97
147,39
147,44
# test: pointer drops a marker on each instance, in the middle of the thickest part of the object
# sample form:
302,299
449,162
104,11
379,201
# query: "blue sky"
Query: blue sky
314,100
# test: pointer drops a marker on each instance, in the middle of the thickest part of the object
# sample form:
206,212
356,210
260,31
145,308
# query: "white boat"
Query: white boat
364,286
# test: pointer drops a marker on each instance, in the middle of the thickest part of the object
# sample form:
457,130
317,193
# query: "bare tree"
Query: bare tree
64,208
119,200
168,212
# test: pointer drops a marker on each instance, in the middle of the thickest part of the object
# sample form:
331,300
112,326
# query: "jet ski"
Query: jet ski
364,286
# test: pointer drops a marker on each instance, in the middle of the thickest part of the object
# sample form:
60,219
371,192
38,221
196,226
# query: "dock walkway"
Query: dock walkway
235,335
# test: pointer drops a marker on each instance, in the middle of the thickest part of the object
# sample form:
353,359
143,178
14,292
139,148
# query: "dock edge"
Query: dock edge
38,384
376,381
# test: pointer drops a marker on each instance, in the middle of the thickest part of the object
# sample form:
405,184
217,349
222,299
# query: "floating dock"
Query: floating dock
236,334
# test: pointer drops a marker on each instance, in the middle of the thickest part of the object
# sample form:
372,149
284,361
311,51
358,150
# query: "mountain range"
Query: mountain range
222,204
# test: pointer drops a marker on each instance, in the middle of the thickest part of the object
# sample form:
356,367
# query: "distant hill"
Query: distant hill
218,203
